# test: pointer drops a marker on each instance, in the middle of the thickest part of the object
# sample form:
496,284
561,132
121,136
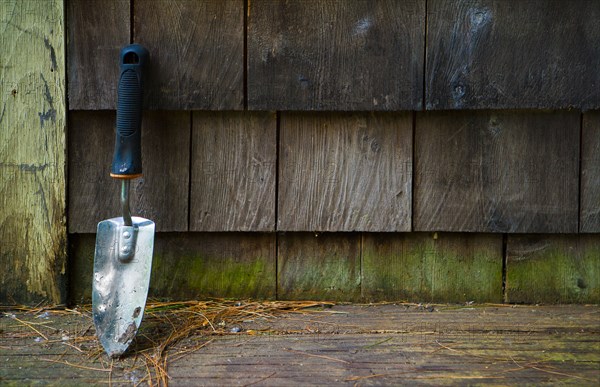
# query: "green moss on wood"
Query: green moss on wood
197,275
191,265
416,267
553,269
32,152
424,267
319,267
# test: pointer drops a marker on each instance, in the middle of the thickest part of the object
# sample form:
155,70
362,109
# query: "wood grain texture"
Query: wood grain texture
81,268
589,220
199,265
234,158
486,54
160,195
375,345
32,152
196,53
345,172
93,195
318,266
425,267
497,172
335,55
97,29
191,265
553,268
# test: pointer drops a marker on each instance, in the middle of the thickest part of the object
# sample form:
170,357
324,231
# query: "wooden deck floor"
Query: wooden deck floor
343,345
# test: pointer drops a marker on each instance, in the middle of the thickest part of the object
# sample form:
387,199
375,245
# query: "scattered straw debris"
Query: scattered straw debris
166,326
174,330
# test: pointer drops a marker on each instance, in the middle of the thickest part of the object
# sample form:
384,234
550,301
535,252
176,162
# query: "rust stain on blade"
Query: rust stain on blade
129,333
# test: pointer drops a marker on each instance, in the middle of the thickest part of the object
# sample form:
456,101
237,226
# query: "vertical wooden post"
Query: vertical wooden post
32,151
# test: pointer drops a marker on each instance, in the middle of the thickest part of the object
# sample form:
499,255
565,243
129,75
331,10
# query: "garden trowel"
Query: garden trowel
124,245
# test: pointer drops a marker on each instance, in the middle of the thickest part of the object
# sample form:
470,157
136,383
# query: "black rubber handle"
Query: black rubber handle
127,159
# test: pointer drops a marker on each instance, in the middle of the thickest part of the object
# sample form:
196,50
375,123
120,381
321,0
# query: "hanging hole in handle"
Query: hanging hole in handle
131,58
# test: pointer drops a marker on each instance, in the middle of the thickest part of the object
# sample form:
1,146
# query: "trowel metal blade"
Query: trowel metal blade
120,288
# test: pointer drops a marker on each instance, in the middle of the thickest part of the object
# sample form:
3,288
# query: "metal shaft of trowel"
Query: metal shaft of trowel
125,184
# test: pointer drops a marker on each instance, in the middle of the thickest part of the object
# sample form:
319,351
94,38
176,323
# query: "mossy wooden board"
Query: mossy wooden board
553,268
32,152
191,265
416,267
318,266
426,267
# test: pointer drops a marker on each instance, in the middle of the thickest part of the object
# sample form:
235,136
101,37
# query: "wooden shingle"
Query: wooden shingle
97,31
335,55
345,172
496,172
233,171
590,173
554,269
160,195
442,267
196,53
486,54
318,266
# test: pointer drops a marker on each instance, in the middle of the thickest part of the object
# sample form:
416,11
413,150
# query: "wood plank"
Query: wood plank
199,63
192,265
424,267
158,195
199,265
553,268
234,157
589,220
435,319
97,29
318,266
370,345
335,55
33,234
497,172
162,194
525,54
81,268
345,172
93,195
399,360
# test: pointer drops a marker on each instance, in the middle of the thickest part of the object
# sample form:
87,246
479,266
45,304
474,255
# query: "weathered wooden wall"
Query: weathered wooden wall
367,150
331,55
319,188
33,237
553,269
345,172
233,190
497,171
590,174
525,54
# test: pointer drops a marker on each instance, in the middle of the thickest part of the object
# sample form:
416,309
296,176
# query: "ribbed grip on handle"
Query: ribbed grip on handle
129,110
127,160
